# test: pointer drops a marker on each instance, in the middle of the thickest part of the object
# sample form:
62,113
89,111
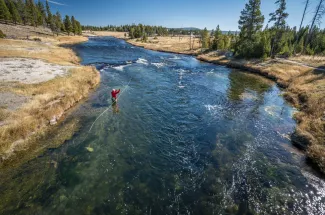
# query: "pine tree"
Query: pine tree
53,25
58,23
266,43
41,16
250,24
20,5
131,33
216,39
14,12
67,24
4,11
49,19
279,18
74,25
251,19
205,38
79,28
31,12
62,27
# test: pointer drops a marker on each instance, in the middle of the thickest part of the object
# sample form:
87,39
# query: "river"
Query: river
185,138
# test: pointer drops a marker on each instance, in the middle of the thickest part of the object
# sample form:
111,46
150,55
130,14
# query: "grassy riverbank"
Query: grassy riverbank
304,87
303,81
42,82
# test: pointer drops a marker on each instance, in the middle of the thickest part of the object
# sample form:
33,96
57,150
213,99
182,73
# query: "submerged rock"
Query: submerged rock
89,149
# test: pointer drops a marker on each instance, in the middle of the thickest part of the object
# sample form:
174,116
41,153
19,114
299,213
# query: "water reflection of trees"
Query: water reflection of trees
242,82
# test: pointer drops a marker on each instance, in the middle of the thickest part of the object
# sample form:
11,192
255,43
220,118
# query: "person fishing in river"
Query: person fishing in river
114,95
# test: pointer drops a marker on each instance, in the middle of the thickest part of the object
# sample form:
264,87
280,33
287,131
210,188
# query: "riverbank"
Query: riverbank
176,44
40,82
304,89
303,85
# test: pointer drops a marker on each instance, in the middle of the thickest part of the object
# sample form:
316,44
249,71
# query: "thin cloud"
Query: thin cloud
57,3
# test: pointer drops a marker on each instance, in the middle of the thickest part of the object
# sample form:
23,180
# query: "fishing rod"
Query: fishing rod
108,107
100,115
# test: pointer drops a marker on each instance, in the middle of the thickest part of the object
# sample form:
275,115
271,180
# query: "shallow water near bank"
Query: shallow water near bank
185,138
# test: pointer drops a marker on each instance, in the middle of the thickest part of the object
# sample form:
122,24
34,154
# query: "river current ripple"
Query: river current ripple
185,138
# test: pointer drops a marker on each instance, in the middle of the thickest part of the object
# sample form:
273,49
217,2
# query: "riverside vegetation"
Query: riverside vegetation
38,101
292,56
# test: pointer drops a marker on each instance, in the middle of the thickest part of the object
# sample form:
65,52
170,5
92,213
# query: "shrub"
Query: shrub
2,35
251,50
37,39
144,38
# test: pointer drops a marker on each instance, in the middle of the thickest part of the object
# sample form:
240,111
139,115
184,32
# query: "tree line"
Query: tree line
138,31
134,31
37,14
277,38
122,28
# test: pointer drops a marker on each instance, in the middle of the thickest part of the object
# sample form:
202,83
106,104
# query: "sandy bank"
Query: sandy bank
120,35
30,71
180,45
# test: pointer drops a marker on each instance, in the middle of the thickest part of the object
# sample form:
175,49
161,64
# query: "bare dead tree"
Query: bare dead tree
307,4
318,15
304,14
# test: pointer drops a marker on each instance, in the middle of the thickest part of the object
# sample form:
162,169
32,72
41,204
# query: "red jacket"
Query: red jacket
114,93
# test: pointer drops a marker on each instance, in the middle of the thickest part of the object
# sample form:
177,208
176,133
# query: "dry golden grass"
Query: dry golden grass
4,114
107,33
71,39
38,50
21,130
170,44
49,99
315,61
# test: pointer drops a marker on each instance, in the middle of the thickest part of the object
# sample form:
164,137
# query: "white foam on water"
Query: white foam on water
175,58
142,61
120,68
314,202
211,72
159,65
182,71
213,108
104,68
273,110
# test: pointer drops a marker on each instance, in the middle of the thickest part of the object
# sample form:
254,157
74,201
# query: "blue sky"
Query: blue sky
172,13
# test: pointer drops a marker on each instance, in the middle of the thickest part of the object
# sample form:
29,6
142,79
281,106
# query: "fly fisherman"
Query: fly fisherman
114,95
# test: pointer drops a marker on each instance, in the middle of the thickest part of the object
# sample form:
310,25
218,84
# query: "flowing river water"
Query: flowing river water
185,138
